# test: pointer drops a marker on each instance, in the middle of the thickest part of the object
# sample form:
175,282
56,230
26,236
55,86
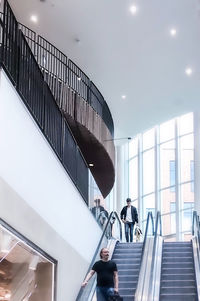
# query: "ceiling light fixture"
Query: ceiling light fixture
188,71
34,18
173,32
91,164
123,96
133,9
79,78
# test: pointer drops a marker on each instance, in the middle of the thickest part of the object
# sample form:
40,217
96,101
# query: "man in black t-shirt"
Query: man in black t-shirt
107,276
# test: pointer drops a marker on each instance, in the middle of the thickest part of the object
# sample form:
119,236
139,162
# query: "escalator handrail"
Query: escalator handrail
149,218
99,245
140,284
195,221
195,224
158,225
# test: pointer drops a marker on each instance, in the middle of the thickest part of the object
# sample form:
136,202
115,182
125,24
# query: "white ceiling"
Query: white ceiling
127,54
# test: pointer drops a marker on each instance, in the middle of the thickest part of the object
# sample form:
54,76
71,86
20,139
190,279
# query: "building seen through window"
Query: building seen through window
161,174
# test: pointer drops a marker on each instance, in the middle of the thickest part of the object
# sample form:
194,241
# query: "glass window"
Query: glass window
192,174
148,205
187,216
167,130
186,156
169,180
133,147
148,139
167,169
24,273
133,178
172,172
185,124
167,198
149,171
186,195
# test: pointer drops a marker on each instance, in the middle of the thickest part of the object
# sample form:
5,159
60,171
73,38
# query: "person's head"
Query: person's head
104,254
97,202
128,201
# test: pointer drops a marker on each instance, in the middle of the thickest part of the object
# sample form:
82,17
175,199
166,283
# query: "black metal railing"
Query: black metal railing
20,64
58,70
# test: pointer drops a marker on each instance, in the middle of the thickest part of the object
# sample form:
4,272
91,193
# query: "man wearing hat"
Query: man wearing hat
129,216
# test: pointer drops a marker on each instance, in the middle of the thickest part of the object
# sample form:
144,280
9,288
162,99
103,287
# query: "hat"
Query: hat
128,200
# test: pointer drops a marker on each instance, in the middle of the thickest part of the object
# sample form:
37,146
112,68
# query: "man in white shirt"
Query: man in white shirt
129,216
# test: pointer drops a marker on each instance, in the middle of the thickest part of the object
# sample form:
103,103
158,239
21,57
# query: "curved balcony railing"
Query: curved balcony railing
20,64
61,71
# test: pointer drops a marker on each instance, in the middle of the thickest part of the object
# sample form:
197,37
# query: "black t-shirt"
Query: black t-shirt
105,272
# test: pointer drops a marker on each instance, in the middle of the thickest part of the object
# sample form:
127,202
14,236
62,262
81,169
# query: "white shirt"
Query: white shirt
129,215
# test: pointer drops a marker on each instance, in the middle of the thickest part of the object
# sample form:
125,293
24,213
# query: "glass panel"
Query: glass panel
148,205
149,171
187,157
168,212
148,139
167,201
169,224
135,203
185,124
133,178
187,219
25,273
133,147
187,200
167,130
167,164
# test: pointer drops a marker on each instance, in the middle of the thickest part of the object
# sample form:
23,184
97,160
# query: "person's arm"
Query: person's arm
122,215
116,281
136,216
89,275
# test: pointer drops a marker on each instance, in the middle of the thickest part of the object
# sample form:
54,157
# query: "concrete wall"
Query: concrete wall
38,198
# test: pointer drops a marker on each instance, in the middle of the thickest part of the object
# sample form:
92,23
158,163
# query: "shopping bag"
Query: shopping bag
115,297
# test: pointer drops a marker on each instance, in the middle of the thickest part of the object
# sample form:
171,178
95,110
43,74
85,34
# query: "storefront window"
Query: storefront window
25,274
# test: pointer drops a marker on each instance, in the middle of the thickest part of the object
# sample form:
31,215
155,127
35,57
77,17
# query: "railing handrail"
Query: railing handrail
141,279
16,63
196,249
149,218
89,84
158,226
99,245
195,220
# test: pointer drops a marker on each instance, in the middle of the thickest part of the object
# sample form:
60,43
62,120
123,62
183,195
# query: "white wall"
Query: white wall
32,172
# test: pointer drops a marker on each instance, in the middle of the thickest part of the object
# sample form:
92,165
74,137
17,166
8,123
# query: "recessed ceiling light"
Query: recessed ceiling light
123,96
188,71
133,9
34,18
173,32
91,164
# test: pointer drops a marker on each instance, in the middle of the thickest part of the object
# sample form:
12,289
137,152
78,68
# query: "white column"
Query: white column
197,162
120,170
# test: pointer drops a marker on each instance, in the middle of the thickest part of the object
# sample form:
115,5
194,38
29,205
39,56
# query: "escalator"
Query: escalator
153,270
174,273
178,282
128,259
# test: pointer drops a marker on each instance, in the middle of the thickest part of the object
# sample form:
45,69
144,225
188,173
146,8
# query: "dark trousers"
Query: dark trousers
129,231
103,293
